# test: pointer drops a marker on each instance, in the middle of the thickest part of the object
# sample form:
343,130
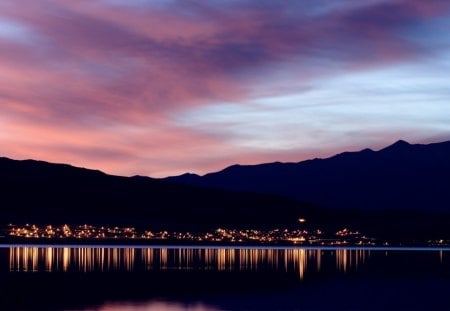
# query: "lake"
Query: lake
159,278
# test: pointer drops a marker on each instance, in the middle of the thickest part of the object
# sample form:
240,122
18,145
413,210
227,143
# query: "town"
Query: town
220,235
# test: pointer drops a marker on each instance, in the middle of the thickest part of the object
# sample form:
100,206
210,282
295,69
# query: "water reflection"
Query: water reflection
154,306
89,259
346,259
214,279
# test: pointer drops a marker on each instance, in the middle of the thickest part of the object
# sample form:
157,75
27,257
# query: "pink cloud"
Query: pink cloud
97,84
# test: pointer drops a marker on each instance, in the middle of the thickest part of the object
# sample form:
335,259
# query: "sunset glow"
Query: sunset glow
171,86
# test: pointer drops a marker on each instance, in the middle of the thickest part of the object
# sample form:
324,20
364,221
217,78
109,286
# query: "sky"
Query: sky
164,87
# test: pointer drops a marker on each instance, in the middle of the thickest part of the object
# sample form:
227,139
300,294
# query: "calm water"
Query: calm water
215,279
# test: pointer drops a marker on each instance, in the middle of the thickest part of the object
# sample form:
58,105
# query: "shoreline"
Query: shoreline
8,243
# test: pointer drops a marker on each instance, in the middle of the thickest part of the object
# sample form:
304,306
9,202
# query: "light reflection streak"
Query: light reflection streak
350,259
66,258
89,259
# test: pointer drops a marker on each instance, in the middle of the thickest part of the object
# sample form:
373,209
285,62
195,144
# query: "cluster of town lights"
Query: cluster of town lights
295,236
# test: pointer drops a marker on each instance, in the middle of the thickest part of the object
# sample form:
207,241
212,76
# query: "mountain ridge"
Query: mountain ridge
34,191
398,143
392,177
42,192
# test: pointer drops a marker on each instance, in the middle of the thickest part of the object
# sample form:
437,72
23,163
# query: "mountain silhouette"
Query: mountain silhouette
400,176
40,192
399,192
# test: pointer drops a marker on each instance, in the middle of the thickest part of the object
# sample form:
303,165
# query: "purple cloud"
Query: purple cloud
107,66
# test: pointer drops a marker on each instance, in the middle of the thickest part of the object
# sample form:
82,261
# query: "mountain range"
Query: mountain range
400,176
41,192
399,191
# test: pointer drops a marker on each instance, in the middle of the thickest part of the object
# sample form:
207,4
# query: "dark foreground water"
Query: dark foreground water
214,279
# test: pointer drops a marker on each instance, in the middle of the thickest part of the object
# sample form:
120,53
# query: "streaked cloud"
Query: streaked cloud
163,87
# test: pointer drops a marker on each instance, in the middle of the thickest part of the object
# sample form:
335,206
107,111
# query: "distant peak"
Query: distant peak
189,175
186,177
367,150
397,145
400,143
232,167
140,177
